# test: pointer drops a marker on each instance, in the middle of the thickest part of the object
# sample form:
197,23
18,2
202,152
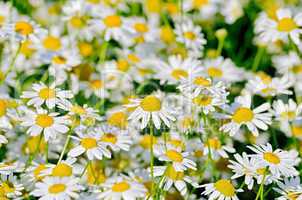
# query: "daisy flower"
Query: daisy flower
289,63
173,177
216,149
10,187
242,114
284,27
190,35
50,95
22,30
122,188
179,159
114,138
62,169
113,26
89,143
220,69
177,68
53,188
43,122
222,189
269,87
150,108
291,188
279,162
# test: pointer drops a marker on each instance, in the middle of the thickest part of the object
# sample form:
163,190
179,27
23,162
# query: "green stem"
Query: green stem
84,170
260,191
258,58
152,159
32,157
65,146
220,46
12,63
103,52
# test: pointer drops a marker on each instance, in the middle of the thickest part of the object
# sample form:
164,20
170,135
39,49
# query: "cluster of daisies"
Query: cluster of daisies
141,99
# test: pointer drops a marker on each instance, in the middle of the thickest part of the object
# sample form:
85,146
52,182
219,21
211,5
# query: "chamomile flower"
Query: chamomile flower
173,177
177,68
89,143
10,187
242,114
289,63
22,30
53,188
50,95
190,35
216,149
150,108
220,69
41,121
112,25
114,138
179,159
285,27
62,169
289,189
122,188
279,162
222,189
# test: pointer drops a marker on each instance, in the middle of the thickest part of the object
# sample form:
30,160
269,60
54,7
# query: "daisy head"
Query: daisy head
150,109
122,187
57,188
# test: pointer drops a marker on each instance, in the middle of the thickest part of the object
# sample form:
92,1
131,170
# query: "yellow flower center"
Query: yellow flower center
289,115
190,35
44,120
215,72
32,143
109,138
52,43
95,174
89,143
179,73
47,93
26,48
96,84
271,158
153,6
113,21
174,155
198,153
2,20
267,79
293,195
60,60
141,27
173,174
167,34
23,28
297,130
78,110
118,119
77,22
147,140
150,104
120,187
271,11
133,58
286,25
200,3
297,69
225,187
37,172
243,115
213,143
177,143
202,82
202,100
261,171
8,187
57,188
85,49
3,107
187,122
268,90
122,65
62,170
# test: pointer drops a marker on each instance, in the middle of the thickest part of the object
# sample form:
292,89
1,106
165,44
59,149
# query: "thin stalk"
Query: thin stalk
12,63
260,191
258,58
102,56
65,146
152,159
